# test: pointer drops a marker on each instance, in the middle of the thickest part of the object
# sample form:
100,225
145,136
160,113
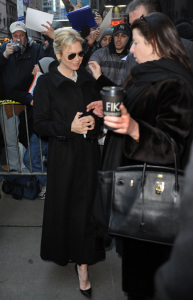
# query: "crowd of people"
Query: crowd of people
60,84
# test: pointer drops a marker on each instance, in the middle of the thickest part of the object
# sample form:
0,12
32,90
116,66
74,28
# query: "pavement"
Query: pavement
24,276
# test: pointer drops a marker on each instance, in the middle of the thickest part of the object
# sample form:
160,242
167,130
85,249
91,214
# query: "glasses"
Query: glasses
143,18
73,55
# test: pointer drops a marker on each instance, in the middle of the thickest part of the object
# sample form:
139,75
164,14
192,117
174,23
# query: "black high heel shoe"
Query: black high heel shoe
87,292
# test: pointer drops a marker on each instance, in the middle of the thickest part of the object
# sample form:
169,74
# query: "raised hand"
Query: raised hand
91,38
95,68
50,30
98,19
8,50
97,107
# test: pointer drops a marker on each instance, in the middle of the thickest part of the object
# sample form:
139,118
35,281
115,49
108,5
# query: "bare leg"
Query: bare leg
83,277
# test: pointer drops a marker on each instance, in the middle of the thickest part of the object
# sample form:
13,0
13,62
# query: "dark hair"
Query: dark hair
150,6
161,33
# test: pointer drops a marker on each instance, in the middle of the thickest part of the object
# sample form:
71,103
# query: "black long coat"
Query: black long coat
68,230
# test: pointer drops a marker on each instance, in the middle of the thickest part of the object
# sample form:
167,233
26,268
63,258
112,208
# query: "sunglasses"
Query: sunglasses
73,55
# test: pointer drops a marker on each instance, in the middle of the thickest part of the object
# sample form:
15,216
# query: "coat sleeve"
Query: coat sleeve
172,119
40,52
188,45
101,82
43,122
174,278
3,60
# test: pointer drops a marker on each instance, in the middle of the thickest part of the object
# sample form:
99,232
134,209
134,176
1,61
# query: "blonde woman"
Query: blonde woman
60,101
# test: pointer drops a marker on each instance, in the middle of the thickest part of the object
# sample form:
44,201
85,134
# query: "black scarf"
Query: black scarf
145,74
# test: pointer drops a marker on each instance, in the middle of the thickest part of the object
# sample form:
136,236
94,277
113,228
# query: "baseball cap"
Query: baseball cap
18,25
122,28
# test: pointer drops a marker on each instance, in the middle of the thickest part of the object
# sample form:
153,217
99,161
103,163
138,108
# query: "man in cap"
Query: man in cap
110,58
17,59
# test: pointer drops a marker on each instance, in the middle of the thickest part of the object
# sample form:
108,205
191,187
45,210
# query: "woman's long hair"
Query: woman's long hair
159,31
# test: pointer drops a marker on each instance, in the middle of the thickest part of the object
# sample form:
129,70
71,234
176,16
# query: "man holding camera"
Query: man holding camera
17,59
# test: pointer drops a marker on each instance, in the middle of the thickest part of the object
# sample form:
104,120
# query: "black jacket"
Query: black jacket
17,69
160,99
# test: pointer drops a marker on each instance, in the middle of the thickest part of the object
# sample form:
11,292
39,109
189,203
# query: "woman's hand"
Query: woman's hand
95,68
97,107
124,124
89,121
50,30
82,125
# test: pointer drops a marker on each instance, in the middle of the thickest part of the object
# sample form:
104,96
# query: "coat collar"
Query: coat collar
145,74
58,79
161,69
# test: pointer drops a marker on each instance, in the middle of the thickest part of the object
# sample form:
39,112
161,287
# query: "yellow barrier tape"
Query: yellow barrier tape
2,102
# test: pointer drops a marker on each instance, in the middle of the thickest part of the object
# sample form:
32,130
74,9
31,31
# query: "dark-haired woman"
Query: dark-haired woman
158,106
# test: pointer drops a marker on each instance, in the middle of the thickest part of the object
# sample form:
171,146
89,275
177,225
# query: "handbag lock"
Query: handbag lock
160,185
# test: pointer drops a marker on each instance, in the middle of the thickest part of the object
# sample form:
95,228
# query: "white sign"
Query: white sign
34,19
20,12
105,23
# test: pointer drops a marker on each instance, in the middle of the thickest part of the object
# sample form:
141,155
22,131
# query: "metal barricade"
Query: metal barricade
11,109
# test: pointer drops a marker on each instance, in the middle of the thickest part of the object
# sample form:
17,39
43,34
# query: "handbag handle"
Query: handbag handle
176,184
176,163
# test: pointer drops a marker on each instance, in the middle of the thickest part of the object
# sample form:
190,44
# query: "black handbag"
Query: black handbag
141,202
21,186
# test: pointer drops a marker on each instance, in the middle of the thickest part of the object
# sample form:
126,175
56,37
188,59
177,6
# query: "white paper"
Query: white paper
33,85
34,19
105,23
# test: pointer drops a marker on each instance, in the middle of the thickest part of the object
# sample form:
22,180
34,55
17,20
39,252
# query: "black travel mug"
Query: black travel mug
112,97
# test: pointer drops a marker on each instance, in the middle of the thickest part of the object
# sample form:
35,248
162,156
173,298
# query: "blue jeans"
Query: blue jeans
15,151
1,170
36,157
1,176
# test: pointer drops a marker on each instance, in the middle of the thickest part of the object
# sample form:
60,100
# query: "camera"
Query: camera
95,12
17,46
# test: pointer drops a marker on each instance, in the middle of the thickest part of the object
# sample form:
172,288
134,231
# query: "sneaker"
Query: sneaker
42,194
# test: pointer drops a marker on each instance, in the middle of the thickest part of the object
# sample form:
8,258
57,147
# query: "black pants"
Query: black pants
140,261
